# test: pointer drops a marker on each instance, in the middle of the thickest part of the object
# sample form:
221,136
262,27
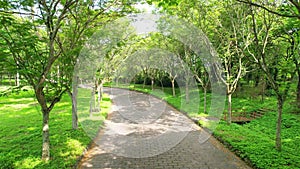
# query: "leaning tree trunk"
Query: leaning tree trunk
229,113
278,125
46,135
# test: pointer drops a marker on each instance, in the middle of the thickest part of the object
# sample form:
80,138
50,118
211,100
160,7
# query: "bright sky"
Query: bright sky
145,7
144,22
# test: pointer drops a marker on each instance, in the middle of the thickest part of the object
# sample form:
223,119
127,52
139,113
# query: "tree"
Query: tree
267,51
84,19
34,59
290,10
233,40
37,53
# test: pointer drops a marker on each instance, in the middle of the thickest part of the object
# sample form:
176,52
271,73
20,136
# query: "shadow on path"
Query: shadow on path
144,132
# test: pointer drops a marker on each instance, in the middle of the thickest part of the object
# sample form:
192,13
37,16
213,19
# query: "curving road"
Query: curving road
144,132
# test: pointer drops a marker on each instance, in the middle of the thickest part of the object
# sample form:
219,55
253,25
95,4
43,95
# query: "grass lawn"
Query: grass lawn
21,132
255,141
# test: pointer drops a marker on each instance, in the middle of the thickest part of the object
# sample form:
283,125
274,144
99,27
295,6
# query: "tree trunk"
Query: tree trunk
92,102
46,138
152,83
263,90
74,103
162,85
173,87
117,81
9,77
17,79
144,83
99,90
74,110
298,91
278,125
229,109
205,92
187,95
58,72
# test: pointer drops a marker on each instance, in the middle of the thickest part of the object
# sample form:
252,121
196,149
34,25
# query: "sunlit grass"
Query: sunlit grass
21,133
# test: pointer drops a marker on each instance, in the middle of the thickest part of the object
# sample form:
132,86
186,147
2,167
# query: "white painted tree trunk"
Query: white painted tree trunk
173,87
229,113
18,79
46,136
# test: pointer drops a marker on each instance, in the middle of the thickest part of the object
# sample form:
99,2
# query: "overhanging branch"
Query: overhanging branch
269,10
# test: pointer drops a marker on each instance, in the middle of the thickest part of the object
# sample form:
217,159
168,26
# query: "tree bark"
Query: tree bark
187,95
205,92
117,81
9,77
162,85
263,90
298,91
229,109
173,87
74,110
152,83
100,91
278,125
46,135
73,96
17,79
144,83
92,102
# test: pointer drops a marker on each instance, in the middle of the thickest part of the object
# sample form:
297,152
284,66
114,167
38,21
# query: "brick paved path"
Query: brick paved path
144,132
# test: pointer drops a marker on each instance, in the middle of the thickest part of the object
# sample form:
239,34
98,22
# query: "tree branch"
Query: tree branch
20,13
269,10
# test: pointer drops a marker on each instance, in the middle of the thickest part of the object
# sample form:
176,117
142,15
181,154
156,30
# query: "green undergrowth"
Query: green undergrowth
21,133
255,141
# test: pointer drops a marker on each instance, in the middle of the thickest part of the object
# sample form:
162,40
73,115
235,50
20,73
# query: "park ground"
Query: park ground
20,133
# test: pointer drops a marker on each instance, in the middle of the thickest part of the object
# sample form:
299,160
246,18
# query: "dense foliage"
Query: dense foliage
256,45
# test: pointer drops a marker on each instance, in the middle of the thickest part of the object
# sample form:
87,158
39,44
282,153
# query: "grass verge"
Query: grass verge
21,132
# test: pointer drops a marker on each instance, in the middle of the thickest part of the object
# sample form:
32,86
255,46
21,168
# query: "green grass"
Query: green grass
255,141
21,133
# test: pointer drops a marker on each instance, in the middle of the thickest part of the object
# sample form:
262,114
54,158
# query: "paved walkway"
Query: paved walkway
145,132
